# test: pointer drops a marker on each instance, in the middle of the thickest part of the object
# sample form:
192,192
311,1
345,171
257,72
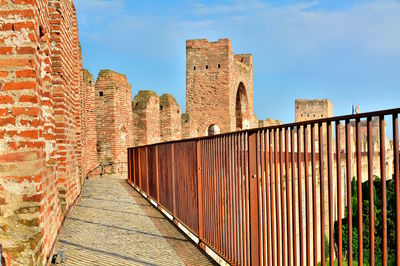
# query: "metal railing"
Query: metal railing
316,192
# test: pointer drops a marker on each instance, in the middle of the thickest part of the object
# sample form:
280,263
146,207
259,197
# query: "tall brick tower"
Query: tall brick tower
219,86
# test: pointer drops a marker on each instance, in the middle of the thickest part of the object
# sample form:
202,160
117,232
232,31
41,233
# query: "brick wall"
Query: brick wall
41,124
66,72
89,138
219,86
188,126
312,109
113,119
170,118
146,118
269,122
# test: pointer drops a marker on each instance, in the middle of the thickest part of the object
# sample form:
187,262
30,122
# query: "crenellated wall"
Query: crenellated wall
114,123
170,118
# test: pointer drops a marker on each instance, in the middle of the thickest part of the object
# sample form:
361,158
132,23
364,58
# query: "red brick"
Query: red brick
26,50
5,50
18,157
28,99
30,134
26,74
24,25
3,74
31,111
23,85
25,13
4,112
16,63
7,121
34,198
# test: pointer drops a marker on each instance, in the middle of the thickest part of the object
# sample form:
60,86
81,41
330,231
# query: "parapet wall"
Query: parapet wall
89,132
42,125
170,118
113,119
146,118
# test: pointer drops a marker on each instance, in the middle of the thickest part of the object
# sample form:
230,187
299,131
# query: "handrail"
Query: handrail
238,192
316,121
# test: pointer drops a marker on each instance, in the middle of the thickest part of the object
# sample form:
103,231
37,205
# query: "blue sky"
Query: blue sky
347,51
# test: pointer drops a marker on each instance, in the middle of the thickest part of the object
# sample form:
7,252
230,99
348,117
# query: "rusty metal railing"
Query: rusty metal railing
316,192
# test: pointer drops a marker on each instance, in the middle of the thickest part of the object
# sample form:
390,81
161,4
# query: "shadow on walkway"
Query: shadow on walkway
114,225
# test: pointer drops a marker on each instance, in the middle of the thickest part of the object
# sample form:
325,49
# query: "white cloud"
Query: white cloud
223,9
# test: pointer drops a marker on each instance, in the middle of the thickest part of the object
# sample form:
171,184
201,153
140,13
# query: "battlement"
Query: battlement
112,75
87,76
167,100
143,98
204,43
246,59
313,109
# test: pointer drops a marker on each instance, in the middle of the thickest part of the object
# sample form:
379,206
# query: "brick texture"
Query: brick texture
146,117
114,123
43,125
170,118
89,133
219,86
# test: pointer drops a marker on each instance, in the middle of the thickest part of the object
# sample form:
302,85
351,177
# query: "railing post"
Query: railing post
134,178
158,181
129,165
147,172
199,190
253,198
173,180
140,169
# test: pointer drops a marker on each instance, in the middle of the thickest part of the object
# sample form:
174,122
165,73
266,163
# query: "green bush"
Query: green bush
391,213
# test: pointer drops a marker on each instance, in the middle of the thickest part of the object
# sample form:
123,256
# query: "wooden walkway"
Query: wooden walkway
114,225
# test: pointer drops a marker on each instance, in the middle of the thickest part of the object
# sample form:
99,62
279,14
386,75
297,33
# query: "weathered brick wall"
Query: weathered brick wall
40,124
170,118
188,126
146,118
113,119
312,109
269,122
242,93
89,133
214,76
66,73
26,132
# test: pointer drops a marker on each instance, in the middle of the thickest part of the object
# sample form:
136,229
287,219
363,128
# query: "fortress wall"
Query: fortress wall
114,124
40,125
170,118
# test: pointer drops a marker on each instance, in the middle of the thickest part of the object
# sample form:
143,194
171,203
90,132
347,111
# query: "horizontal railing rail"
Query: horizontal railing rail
311,193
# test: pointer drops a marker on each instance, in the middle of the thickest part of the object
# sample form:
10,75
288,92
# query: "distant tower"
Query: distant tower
313,109
219,86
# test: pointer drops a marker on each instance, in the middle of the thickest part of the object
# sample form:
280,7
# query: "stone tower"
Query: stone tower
219,86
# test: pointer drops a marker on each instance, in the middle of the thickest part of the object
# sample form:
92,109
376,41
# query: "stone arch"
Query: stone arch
242,108
213,129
